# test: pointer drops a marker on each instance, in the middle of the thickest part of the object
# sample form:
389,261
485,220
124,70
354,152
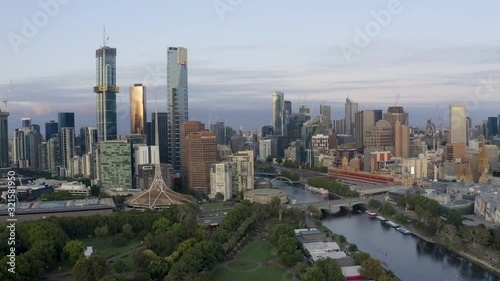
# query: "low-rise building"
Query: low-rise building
74,188
265,196
488,206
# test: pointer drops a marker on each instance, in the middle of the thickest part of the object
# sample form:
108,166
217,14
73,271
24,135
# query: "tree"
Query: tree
400,218
387,277
371,268
360,257
353,248
449,234
314,212
342,239
455,218
158,268
127,231
330,269
91,268
142,258
142,276
374,203
162,225
95,190
74,250
387,209
120,266
219,196
119,240
476,235
101,231
279,160
269,159
313,274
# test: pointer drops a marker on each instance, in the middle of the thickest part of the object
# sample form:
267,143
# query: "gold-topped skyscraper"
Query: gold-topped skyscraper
137,109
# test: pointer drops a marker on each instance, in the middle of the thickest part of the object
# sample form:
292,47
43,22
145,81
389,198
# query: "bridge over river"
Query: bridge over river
331,205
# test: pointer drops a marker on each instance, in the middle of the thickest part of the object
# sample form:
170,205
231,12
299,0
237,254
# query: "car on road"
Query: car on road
207,221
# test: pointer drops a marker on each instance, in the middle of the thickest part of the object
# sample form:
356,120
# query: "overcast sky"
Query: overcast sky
240,51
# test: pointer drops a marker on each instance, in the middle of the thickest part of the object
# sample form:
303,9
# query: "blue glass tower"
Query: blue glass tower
106,90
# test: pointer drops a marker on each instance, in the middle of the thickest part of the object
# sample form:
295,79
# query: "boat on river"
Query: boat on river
392,224
403,230
370,213
380,218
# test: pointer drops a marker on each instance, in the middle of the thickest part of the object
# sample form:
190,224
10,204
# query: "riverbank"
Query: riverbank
472,259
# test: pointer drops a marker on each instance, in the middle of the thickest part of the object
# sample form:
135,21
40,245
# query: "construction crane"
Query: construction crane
6,98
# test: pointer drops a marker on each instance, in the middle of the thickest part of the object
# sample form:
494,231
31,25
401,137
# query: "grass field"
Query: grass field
106,248
249,266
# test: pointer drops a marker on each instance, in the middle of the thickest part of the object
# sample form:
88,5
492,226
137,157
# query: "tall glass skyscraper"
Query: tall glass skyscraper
66,120
51,128
106,90
350,110
138,109
177,85
278,112
4,139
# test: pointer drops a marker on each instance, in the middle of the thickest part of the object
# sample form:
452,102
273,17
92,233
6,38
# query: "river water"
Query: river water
409,257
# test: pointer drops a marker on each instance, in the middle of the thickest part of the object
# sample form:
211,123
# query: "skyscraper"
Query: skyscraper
67,146
88,137
492,127
201,150
396,113
364,121
162,135
4,139
66,120
115,164
457,124
325,113
138,109
278,112
106,90
51,128
187,128
219,130
25,122
178,111
288,107
350,110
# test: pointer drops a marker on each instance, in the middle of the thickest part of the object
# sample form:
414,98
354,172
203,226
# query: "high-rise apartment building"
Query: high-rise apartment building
288,107
106,90
278,113
88,137
115,164
221,180
219,130
177,100
243,170
67,147
4,139
138,109
350,110
25,122
401,140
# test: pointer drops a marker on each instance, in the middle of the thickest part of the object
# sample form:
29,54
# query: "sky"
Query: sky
431,53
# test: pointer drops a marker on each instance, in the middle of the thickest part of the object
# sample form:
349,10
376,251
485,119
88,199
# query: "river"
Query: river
409,257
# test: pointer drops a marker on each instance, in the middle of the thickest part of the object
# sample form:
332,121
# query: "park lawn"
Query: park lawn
273,273
258,252
106,248
213,206
129,262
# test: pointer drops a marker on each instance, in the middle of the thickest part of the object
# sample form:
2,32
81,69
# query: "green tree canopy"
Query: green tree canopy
74,250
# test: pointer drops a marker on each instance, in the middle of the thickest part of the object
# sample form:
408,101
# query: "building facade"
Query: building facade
278,112
105,91
221,180
115,164
350,110
138,109
177,101
201,150
243,170
4,139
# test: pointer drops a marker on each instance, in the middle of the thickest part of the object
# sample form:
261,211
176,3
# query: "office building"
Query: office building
25,122
350,110
325,113
51,129
187,128
115,164
288,107
243,170
163,135
145,174
401,140
219,130
66,120
492,129
4,139
106,91
381,137
201,150
279,112
267,131
138,109
221,180
264,149
339,126
396,113
457,124
177,101
364,121
237,144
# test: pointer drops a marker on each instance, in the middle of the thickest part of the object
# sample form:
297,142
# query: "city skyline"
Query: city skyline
434,66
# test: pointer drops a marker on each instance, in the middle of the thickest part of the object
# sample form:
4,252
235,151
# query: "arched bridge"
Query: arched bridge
333,204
